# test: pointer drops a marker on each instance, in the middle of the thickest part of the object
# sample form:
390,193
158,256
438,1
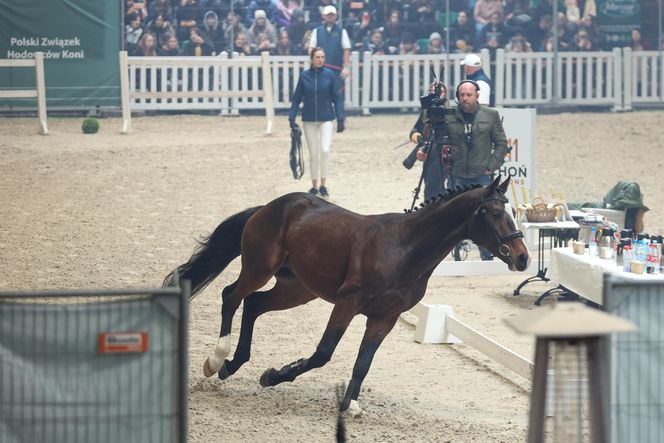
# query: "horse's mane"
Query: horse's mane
446,195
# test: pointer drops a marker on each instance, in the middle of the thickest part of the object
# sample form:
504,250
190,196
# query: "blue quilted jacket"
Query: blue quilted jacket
320,92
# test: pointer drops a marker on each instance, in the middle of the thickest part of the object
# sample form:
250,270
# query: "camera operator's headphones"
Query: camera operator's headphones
472,82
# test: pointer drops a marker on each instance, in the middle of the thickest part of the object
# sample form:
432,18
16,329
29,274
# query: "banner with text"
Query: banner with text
519,164
80,40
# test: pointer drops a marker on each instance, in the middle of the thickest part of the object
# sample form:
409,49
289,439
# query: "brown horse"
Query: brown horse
376,265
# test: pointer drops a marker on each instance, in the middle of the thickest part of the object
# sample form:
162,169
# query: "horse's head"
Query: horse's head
493,227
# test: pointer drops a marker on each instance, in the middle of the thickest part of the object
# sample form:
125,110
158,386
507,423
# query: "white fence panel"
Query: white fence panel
644,77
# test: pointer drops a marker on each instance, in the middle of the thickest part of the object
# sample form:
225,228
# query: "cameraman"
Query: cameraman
437,159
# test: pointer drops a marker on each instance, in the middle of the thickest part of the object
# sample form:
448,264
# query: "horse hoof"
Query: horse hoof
223,372
354,409
266,378
207,370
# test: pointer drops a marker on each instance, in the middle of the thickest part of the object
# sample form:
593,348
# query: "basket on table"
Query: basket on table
540,212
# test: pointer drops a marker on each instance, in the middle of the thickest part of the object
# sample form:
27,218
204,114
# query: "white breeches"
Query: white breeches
319,140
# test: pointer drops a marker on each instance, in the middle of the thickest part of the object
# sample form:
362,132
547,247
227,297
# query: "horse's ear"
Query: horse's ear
492,187
504,185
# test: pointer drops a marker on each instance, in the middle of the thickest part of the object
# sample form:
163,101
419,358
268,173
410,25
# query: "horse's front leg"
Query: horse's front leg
341,316
374,334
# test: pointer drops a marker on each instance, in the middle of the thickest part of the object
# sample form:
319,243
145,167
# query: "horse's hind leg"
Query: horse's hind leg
374,334
232,296
336,326
286,293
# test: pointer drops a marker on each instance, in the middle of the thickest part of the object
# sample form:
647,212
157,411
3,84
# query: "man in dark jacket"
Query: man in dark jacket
478,140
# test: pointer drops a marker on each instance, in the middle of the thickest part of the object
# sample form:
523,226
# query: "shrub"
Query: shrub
90,125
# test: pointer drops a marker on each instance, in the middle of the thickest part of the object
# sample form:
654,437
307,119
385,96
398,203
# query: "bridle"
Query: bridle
504,248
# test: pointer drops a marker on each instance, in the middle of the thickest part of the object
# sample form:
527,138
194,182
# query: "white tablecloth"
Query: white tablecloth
551,225
583,274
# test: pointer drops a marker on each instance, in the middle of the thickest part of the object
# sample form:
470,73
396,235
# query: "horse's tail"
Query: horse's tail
213,254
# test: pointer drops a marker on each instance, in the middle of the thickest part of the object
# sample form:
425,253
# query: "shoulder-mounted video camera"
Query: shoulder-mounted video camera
434,104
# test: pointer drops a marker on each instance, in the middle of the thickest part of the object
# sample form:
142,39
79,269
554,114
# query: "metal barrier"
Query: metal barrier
40,89
635,390
105,366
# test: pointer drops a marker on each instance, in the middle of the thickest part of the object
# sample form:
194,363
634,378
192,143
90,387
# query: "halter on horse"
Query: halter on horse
376,265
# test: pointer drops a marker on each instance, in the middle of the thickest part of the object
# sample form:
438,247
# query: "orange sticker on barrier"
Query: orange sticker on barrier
123,342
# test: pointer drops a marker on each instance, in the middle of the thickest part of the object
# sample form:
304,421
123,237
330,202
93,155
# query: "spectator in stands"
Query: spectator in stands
306,40
472,67
133,32
361,30
146,46
267,6
213,32
484,9
334,41
426,19
544,7
515,8
188,16
637,43
408,46
285,46
161,28
197,45
393,31
493,35
518,43
261,36
565,34
582,41
572,13
162,7
595,33
136,7
241,44
589,8
375,43
435,45
171,48
462,34
284,13
296,28
539,33
232,27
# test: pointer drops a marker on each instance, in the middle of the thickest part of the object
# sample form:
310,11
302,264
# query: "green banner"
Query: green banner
617,18
80,40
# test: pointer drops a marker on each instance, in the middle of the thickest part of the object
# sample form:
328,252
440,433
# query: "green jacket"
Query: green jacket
488,147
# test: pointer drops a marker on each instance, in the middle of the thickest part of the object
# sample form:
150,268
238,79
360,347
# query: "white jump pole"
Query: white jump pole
438,324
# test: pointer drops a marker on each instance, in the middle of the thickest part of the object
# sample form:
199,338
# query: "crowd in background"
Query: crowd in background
283,27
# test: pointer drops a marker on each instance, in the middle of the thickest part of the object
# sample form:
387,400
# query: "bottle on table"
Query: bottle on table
627,257
592,243
652,265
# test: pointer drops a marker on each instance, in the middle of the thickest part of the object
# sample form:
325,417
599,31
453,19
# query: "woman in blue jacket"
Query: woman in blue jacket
319,89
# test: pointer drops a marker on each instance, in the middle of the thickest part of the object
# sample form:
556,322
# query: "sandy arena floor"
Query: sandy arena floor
106,210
